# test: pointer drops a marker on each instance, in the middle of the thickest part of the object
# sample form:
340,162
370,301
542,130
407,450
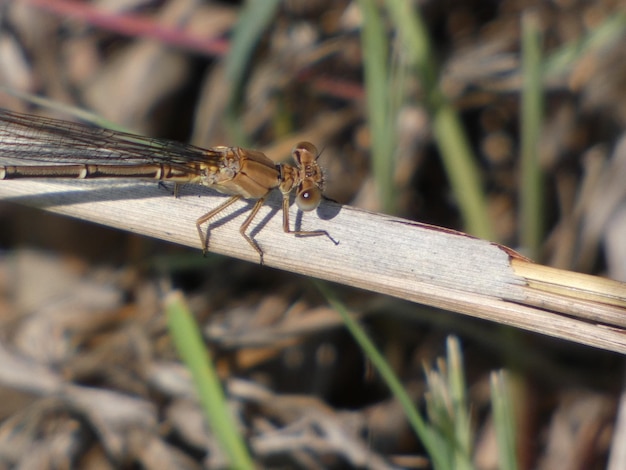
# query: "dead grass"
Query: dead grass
88,375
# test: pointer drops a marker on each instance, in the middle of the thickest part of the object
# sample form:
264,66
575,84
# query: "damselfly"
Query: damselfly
39,147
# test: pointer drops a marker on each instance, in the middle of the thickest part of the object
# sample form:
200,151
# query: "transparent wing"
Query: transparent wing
35,140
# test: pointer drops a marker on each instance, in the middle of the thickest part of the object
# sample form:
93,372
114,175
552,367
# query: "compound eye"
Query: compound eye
304,150
308,198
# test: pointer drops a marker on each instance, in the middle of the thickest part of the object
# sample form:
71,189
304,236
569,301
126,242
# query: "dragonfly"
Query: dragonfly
52,148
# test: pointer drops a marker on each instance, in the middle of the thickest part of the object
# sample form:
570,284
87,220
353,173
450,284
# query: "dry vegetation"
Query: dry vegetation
89,377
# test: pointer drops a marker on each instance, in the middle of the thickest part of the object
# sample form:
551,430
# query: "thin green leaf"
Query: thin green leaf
531,185
379,100
458,392
504,420
188,341
430,440
254,18
455,151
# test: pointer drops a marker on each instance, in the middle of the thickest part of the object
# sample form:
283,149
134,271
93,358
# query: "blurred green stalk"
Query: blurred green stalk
454,147
504,420
190,346
531,184
376,69
254,17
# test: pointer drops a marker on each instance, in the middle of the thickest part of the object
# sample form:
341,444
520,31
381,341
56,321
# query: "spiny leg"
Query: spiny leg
300,233
204,240
246,224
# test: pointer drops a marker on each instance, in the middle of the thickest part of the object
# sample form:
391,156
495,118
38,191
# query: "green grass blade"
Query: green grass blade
566,56
188,341
462,171
254,18
504,420
458,392
455,151
77,113
531,185
447,407
430,440
378,95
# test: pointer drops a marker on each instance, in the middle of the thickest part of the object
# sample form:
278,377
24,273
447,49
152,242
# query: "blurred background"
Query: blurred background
80,304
